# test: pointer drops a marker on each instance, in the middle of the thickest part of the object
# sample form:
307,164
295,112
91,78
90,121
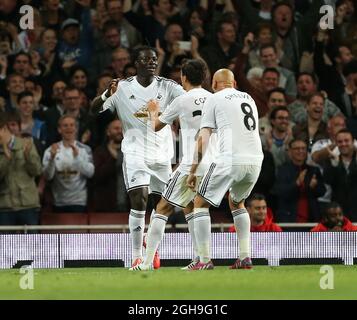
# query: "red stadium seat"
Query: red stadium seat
64,219
108,218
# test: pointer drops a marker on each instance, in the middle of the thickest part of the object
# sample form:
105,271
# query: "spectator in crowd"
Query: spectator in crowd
330,72
352,121
110,41
261,217
120,58
20,164
52,14
152,26
27,64
325,149
276,98
49,59
109,192
258,212
56,110
314,128
298,186
68,165
344,100
195,24
341,174
76,42
219,54
306,86
15,84
262,36
129,35
293,37
277,140
334,220
31,126
268,56
72,107
78,78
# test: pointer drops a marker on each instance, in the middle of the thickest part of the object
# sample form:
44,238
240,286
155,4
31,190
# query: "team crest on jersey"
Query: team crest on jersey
159,96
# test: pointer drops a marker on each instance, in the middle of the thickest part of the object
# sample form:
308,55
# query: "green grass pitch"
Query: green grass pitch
262,282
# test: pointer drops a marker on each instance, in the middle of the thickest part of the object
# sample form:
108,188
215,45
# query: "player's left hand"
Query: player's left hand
153,106
191,181
74,150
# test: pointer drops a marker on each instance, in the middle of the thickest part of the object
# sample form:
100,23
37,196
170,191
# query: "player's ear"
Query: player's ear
235,84
214,85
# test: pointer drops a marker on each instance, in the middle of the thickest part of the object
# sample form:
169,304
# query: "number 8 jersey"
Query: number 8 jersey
235,117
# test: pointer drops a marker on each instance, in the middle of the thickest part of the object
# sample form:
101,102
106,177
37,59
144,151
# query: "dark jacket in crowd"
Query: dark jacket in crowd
288,192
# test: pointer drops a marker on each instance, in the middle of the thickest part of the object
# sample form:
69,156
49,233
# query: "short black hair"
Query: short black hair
277,89
311,75
296,140
253,197
329,206
276,110
136,53
345,130
24,94
194,70
266,70
268,45
349,68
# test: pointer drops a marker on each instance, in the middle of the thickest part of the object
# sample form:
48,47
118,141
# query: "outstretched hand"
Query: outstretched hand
191,181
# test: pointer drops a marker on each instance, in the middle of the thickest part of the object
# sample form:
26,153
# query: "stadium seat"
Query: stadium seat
64,219
108,218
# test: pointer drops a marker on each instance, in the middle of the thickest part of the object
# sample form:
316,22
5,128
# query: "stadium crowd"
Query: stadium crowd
57,155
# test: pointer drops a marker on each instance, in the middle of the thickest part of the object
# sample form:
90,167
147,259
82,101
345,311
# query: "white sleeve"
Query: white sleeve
208,119
171,112
84,162
109,104
176,91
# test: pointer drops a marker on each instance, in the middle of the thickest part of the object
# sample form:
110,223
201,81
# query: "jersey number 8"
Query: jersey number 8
249,120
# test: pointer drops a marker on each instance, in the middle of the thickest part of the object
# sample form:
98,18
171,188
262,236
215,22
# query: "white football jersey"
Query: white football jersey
188,109
235,116
130,101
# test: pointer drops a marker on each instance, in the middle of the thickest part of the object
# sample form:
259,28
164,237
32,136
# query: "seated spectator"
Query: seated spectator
334,220
298,186
261,220
68,165
20,164
109,192
341,173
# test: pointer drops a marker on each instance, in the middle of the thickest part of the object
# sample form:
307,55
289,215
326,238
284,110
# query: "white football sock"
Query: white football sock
242,224
136,227
202,227
154,236
189,219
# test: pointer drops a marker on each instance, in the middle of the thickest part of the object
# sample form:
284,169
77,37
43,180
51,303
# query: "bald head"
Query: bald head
223,78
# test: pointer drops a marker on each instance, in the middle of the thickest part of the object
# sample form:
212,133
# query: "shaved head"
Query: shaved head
223,78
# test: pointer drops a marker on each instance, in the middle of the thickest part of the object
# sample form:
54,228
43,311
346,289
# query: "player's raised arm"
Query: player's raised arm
98,101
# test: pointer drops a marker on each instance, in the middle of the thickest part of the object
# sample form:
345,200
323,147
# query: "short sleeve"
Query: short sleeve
109,104
208,116
171,112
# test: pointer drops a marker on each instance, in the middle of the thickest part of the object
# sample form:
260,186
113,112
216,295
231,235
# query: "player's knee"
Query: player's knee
138,199
164,208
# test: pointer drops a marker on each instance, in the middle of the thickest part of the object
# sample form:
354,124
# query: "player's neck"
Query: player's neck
189,87
144,81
